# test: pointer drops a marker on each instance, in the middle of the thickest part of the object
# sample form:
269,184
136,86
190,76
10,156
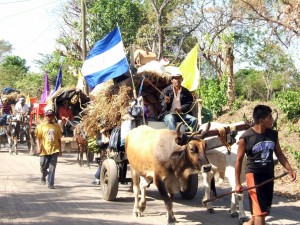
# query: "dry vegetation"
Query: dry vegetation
288,137
113,101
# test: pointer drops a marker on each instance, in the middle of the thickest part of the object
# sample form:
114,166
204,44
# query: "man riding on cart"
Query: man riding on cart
65,117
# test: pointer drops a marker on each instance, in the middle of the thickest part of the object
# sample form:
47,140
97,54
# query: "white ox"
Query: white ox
223,163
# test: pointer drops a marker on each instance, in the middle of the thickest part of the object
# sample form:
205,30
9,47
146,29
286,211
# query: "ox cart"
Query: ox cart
114,163
114,166
78,101
109,107
114,169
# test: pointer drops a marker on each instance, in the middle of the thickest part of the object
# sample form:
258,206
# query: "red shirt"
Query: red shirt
65,112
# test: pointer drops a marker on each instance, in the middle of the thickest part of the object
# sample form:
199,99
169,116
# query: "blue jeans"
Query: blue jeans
48,162
171,120
97,174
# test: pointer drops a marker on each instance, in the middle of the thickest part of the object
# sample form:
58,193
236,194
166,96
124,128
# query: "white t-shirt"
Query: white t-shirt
176,101
21,110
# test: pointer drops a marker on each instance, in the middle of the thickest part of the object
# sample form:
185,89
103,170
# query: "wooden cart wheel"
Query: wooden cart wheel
109,180
192,187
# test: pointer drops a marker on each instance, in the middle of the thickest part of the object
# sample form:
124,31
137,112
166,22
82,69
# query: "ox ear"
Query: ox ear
248,122
178,154
182,140
275,119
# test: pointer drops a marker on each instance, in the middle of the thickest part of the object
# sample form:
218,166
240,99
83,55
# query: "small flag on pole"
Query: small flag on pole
80,84
106,60
46,89
190,70
28,100
58,82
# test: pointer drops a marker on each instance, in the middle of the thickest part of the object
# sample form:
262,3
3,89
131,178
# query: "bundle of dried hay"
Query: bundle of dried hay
112,103
14,97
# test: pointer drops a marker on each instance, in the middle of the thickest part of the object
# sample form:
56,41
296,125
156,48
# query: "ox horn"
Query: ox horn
246,121
275,118
204,131
181,138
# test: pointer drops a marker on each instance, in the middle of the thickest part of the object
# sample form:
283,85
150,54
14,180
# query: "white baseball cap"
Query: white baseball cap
173,71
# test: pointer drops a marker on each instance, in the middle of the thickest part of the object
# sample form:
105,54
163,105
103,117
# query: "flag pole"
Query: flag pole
131,76
199,100
132,63
83,9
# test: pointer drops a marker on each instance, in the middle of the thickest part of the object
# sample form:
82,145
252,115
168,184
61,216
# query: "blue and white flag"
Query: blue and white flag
106,60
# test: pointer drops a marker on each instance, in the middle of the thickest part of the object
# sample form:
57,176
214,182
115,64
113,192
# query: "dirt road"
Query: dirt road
23,200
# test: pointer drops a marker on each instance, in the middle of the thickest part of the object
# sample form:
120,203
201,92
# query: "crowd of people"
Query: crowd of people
48,133
20,110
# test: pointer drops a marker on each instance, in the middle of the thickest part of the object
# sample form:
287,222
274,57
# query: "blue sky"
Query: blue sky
31,26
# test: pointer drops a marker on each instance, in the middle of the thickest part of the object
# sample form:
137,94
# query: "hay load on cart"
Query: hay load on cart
112,103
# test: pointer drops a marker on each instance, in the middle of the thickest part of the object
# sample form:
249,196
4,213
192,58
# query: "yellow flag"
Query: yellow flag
28,100
80,84
190,71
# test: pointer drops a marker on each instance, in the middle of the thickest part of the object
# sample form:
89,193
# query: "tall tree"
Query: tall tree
278,70
159,7
281,16
5,48
102,17
15,62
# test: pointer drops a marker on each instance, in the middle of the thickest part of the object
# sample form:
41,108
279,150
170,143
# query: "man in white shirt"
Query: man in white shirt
21,109
176,102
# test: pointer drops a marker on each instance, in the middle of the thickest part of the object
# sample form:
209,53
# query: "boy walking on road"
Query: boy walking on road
49,147
258,143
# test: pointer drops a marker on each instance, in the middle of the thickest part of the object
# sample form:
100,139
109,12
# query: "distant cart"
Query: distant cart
78,101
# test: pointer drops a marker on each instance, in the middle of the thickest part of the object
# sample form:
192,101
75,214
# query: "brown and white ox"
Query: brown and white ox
164,157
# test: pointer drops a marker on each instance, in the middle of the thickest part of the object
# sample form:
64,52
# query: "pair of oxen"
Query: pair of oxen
168,158
15,129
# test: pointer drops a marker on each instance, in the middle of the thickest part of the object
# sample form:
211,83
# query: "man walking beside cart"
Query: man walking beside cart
48,136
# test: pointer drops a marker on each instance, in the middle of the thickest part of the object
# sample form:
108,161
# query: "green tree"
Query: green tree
32,84
12,69
50,64
15,62
5,48
249,84
278,68
102,17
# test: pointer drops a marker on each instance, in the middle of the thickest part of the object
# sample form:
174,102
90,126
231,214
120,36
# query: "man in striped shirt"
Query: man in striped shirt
5,108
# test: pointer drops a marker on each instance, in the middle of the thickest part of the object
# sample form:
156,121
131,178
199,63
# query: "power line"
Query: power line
40,34
7,3
29,10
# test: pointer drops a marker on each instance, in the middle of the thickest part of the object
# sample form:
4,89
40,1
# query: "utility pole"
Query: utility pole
84,41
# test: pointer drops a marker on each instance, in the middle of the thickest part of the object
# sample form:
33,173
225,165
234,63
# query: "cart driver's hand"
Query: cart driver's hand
167,99
178,110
